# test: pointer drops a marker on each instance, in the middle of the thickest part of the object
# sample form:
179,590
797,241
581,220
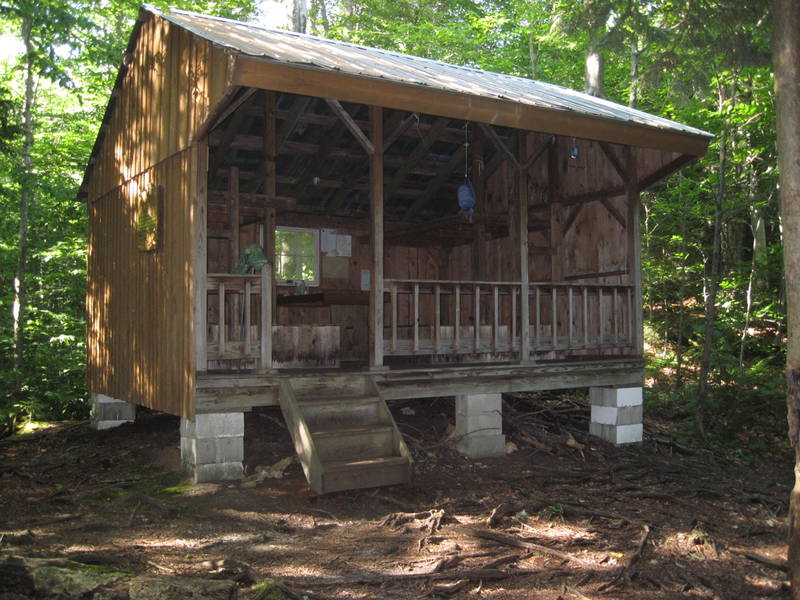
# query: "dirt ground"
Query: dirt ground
578,518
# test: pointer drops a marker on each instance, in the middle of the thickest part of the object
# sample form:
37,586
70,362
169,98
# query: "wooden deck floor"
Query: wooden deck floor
233,392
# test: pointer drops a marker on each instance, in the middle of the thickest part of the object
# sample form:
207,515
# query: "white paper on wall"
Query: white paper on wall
364,280
327,241
344,245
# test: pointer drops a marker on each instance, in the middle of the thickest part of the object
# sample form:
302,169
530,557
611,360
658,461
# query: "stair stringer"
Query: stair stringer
303,441
398,442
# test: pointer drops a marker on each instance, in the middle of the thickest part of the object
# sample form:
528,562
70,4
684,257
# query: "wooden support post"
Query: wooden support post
524,273
553,198
270,187
376,238
495,317
199,183
266,319
634,249
615,316
479,184
233,199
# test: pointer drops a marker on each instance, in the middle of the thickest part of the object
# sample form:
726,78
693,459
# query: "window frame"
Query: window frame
316,258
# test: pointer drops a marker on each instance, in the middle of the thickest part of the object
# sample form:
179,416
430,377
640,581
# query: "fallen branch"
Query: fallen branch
514,542
778,565
469,574
433,519
401,518
623,571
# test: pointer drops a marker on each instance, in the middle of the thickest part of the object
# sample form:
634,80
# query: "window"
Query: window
297,255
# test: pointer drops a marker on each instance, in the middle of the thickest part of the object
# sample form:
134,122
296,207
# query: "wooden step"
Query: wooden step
344,433
354,442
366,473
342,413
332,385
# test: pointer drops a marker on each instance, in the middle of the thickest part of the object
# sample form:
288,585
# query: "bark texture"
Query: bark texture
786,53
25,200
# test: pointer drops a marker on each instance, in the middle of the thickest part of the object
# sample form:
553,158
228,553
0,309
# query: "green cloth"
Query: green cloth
251,260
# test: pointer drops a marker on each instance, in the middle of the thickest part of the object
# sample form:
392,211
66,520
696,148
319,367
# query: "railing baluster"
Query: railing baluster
538,318
554,317
416,318
457,323
600,318
221,291
569,316
513,332
247,316
585,317
437,318
614,316
266,318
477,332
496,318
629,320
394,317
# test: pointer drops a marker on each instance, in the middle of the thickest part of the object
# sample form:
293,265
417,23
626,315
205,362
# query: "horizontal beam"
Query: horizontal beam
312,81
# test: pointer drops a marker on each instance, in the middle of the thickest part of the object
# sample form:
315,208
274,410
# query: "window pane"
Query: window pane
295,255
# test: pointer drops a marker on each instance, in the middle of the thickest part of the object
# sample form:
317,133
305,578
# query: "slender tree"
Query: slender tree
786,56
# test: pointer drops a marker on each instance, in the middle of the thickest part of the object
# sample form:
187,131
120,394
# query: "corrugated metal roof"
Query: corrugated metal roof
331,55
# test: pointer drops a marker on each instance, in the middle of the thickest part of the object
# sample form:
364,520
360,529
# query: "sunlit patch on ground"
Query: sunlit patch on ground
117,498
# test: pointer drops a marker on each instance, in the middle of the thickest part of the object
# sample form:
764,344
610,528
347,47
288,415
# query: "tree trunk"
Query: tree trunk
633,92
594,72
709,333
786,55
25,200
299,15
319,18
759,260
533,52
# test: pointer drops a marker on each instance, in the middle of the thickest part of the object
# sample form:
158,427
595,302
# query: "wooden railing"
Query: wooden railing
240,331
580,316
484,317
439,317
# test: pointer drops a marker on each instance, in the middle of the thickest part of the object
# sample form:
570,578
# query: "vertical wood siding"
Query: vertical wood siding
140,304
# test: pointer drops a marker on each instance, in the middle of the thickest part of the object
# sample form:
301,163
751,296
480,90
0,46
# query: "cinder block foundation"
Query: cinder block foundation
479,424
617,414
212,446
108,412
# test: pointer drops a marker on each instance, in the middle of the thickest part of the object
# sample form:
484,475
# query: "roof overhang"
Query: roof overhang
259,72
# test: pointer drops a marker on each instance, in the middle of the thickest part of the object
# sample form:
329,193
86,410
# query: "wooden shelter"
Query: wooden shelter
344,164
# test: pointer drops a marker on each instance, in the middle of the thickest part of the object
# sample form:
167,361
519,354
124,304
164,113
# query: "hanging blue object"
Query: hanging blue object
466,197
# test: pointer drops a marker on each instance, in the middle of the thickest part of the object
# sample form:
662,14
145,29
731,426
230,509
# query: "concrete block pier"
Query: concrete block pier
212,446
617,414
479,424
